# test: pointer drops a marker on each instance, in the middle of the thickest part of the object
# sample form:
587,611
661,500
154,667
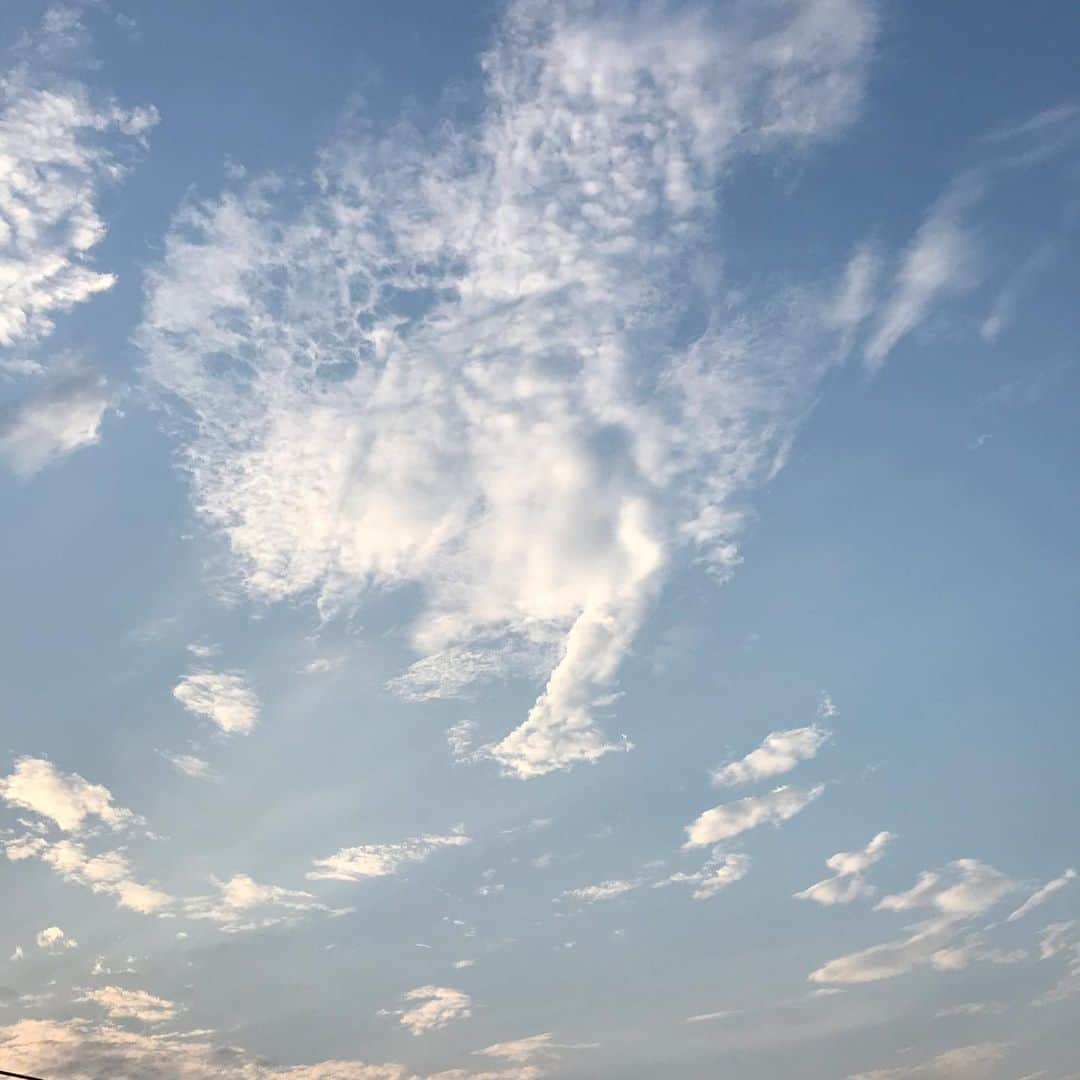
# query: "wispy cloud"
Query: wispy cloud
847,882
224,698
108,872
380,860
954,895
241,903
79,1048
429,1008
970,1061
122,1004
605,890
720,870
60,149
939,262
496,399
778,753
730,819
1040,896
52,422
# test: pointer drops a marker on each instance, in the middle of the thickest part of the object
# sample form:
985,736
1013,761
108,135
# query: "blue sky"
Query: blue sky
538,540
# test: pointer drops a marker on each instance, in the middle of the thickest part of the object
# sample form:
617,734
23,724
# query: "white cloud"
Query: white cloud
530,1050
108,872
53,939
59,150
224,698
190,765
730,819
380,860
970,1061
847,882
778,753
16,953
720,870
462,363
940,261
64,798
430,1008
241,904
702,1018
960,892
969,1008
1061,939
52,422
605,890
1040,896
121,1004
78,1049
963,889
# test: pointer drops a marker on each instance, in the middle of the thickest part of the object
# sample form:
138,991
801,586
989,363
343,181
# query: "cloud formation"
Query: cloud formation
970,1061
81,1050
223,697
730,819
778,753
721,869
241,903
66,799
956,894
605,890
108,872
59,150
121,1004
380,860
53,939
463,363
52,422
847,882
430,1008
1040,896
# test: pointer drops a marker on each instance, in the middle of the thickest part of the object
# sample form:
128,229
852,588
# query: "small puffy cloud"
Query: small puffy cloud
224,698
778,753
429,1008
16,953
459,964
730,819
53,939
52,423
241,903
1040,896
963,889
64,798
720,870
970,1061
605,890
847,882
108,872
381,860
121,1004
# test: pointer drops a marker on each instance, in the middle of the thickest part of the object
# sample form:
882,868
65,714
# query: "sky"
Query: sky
539,540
